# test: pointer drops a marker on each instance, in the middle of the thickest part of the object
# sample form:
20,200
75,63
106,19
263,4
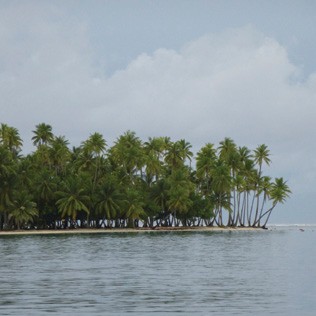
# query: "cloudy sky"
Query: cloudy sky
194,69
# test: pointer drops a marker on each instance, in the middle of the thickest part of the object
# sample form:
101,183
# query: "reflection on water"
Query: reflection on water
163,273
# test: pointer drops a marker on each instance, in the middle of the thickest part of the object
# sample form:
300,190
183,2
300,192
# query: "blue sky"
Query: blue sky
199,70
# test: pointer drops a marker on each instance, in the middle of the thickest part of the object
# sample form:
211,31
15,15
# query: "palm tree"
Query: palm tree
72,199
44,187
228,152
265,188
22,210
95,146
200,211
205,161
221,185
244,154
8,180
153,168
59,154
185,149
134,207
239,184
227,146
43,134
108,200
180,188
159,194
279,192
261,155
179,202
250,177
153,148
174,155
128,154
177,153
10,138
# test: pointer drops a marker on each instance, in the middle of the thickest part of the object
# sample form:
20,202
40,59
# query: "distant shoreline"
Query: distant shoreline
125,230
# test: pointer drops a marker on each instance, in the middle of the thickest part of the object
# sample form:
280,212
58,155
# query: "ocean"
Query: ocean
161,273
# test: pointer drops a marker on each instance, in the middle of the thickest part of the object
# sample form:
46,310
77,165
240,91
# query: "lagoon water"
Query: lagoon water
160,273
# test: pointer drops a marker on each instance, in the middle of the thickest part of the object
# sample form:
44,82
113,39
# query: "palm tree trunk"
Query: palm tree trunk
269,211
257,209
261,211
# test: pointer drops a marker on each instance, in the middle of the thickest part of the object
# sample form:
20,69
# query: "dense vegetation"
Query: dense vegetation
132,183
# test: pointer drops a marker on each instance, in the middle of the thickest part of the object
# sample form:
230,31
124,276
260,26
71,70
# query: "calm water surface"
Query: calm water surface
224,273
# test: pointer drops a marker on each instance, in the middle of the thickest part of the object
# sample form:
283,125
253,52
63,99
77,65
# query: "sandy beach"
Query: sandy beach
127,230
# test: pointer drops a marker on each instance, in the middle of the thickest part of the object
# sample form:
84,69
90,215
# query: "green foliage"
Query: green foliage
22,210
72,198
151,182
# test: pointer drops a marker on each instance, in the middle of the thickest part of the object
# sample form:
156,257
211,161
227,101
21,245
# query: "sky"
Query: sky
193,69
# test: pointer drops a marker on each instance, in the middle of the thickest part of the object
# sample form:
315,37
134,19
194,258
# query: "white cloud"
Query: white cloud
238,83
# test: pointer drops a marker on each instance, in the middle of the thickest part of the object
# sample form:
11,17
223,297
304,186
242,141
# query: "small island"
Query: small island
133,185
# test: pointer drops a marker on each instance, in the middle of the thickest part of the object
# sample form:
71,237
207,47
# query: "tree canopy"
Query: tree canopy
158,182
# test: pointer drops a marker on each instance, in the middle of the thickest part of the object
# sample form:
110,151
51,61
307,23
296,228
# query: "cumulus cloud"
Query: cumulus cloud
238,83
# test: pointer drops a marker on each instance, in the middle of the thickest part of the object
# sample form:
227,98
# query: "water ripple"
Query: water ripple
163,273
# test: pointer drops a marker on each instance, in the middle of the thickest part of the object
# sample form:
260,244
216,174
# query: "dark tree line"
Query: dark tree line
133,183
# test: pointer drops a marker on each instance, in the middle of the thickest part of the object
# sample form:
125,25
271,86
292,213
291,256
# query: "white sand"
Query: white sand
126,230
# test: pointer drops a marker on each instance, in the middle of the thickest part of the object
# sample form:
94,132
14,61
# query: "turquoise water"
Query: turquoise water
224,273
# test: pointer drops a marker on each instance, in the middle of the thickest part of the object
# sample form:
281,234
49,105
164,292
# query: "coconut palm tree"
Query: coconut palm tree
221,186
8,180
43,134
261,155
177,153
59,154
108,200
134,207
185,149
205,161
174,155
153,149
95,146
128,154
265,189
226,147
239,184
155,146
228,152
279,192
159,194
179,202
180,188
10,138
45,184
72,199
22,210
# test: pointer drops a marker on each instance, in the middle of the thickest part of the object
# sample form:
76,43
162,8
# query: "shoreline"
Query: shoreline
126,230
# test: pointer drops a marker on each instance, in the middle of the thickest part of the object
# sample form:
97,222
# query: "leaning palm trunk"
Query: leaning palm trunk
268,213
214,219
262,206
